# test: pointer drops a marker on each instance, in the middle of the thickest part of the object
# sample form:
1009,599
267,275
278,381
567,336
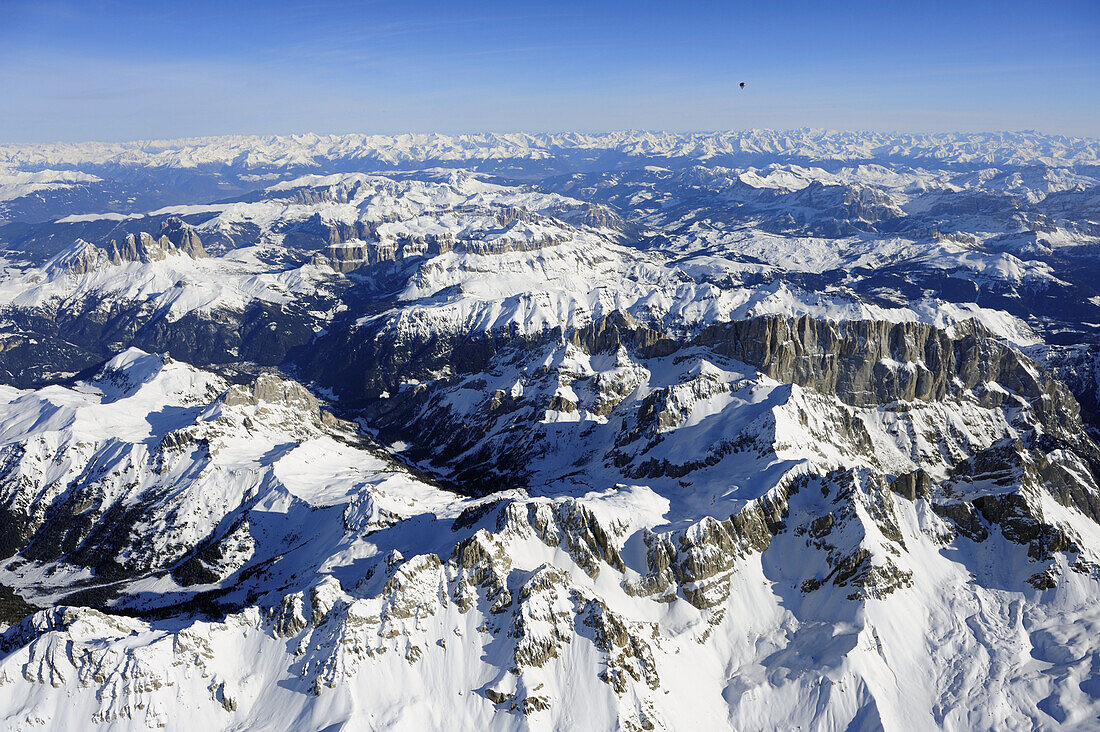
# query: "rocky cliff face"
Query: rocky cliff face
175,238
912,371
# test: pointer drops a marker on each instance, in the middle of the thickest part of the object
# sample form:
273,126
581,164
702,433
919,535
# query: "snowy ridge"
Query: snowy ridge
15,183
521,611
1013,148
519,259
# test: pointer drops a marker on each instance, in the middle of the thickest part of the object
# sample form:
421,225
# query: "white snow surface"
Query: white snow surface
532,274
377,611
15,183
304,150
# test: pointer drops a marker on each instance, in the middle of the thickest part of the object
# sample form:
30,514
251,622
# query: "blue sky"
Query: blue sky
114,70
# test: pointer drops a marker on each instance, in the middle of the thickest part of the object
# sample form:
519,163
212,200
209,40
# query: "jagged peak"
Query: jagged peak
128,371
174,239
295,408
271,389
79,257
83,257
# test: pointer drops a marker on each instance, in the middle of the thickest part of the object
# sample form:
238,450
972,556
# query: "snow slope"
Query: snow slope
329,568
300,150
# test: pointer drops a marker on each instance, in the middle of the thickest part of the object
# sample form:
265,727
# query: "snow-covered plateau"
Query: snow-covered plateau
751,431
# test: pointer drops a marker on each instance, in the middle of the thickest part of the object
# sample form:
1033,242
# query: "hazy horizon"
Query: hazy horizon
115,71
593,132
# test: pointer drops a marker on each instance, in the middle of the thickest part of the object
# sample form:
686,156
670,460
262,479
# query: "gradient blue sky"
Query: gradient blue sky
114,70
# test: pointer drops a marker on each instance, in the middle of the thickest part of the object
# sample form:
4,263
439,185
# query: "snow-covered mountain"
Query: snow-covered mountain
629,431
1002,148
